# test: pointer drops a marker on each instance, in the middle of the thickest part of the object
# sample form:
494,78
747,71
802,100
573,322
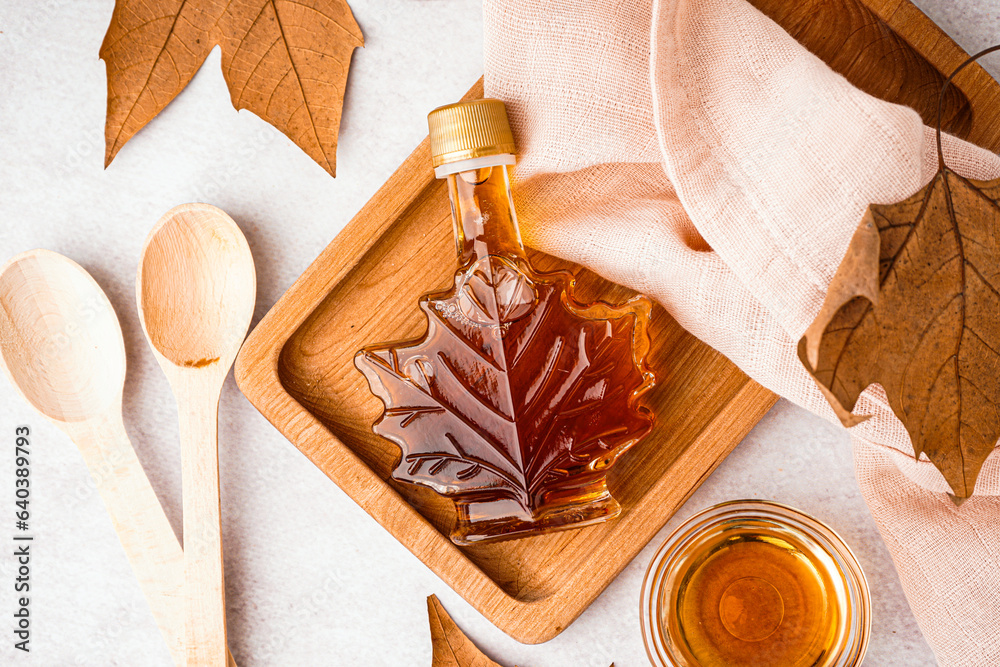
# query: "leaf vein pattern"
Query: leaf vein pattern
302,90
992,202
149,74
463,458
134,29
318,53
470,389
944,263
923,334
253,72
270,97
329,18
243,38
574,388
958,344
535,390
913,226
981,339
445,406
530,334
975,269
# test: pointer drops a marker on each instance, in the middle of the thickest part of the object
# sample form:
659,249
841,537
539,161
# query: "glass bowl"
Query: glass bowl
752,582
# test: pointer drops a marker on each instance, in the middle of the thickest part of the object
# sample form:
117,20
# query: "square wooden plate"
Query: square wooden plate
297,365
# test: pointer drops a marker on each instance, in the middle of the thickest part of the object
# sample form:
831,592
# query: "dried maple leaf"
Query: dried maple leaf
915,306
284,60
451,647
514,389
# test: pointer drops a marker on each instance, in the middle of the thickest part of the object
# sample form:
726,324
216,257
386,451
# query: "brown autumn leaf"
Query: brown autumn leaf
451,647
915,306
474,412
284,60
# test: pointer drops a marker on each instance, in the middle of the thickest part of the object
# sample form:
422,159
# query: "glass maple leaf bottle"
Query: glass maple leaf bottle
518,399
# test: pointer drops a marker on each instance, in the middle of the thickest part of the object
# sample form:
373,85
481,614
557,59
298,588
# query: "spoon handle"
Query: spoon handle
198,411
142,527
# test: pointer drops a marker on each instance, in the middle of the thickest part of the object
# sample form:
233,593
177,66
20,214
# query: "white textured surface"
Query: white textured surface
311,579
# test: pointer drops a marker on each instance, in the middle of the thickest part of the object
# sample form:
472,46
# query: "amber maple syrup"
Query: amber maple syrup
751,589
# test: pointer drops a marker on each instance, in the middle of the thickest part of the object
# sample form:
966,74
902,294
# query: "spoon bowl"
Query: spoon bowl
196,287
61,342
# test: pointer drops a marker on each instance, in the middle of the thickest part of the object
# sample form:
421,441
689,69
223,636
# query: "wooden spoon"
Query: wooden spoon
62,349
196,289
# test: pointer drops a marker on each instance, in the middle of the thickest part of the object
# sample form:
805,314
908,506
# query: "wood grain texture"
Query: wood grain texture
196,290
296,367
62,348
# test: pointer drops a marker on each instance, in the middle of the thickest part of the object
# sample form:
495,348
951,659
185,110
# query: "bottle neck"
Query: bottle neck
482,209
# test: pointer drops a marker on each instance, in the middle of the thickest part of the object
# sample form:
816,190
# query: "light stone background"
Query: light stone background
311,579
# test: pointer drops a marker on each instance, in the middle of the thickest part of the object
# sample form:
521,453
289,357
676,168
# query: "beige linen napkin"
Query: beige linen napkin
694,151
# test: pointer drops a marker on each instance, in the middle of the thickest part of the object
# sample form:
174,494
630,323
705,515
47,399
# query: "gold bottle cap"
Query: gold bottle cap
469,130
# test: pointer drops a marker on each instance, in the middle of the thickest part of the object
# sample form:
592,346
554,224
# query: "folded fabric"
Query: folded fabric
697,153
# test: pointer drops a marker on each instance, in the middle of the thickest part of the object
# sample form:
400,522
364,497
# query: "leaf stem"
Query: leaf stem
944,87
